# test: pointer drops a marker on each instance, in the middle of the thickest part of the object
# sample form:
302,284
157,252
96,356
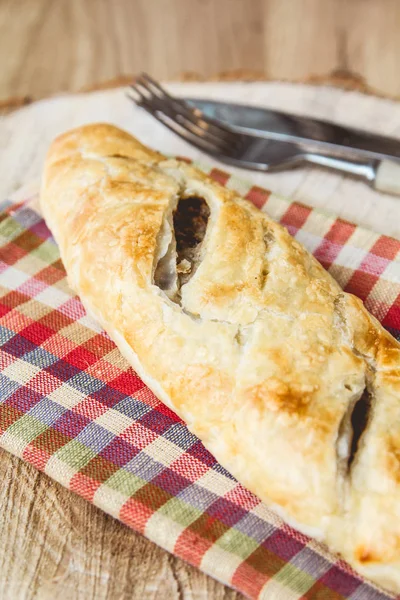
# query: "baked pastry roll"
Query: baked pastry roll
286,379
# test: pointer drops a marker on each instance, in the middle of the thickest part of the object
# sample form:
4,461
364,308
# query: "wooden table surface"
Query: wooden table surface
55,544
51,45
52,542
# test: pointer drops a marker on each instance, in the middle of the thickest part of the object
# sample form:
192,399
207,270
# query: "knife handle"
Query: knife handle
387,178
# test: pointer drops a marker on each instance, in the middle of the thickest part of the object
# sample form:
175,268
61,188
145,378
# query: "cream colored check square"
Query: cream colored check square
115,358
392,272
13,278
163,451
31,264
90,323
216,482
114,421
59,470
363,239
21,371
222,563
109,500
163,531
318,224
265,514
34,309
384,291
77,333
275,589
275,207
52,297
66,396
13,444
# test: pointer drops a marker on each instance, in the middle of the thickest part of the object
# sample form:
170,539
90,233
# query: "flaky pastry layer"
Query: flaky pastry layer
286,379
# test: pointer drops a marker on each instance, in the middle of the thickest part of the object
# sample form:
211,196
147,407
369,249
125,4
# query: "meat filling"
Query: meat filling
190,224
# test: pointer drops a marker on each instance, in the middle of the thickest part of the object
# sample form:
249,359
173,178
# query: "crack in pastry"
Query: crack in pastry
165,272
190,225
268,238
352,427
359,422
181,237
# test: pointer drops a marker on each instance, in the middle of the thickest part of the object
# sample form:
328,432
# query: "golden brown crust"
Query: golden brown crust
259,350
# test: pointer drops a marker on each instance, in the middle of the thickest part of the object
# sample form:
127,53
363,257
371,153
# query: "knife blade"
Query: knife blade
314,133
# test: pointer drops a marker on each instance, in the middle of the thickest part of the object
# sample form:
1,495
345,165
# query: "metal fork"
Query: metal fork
236,148
187,122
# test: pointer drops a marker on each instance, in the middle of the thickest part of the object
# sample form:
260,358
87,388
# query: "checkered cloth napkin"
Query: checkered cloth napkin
71,406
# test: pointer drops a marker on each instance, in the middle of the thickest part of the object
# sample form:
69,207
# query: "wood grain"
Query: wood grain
53,543
48,46
307,43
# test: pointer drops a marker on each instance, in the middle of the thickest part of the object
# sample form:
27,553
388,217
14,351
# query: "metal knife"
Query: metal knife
313,133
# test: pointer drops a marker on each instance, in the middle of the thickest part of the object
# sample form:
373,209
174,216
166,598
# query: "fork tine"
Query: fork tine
161,105
188,110
179,130
152,106
200,142
138,94
194,115
166,106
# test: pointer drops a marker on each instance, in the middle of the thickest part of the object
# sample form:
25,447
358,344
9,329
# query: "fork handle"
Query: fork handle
387,177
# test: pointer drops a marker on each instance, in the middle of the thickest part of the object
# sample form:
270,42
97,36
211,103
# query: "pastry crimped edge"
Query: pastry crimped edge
260,351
